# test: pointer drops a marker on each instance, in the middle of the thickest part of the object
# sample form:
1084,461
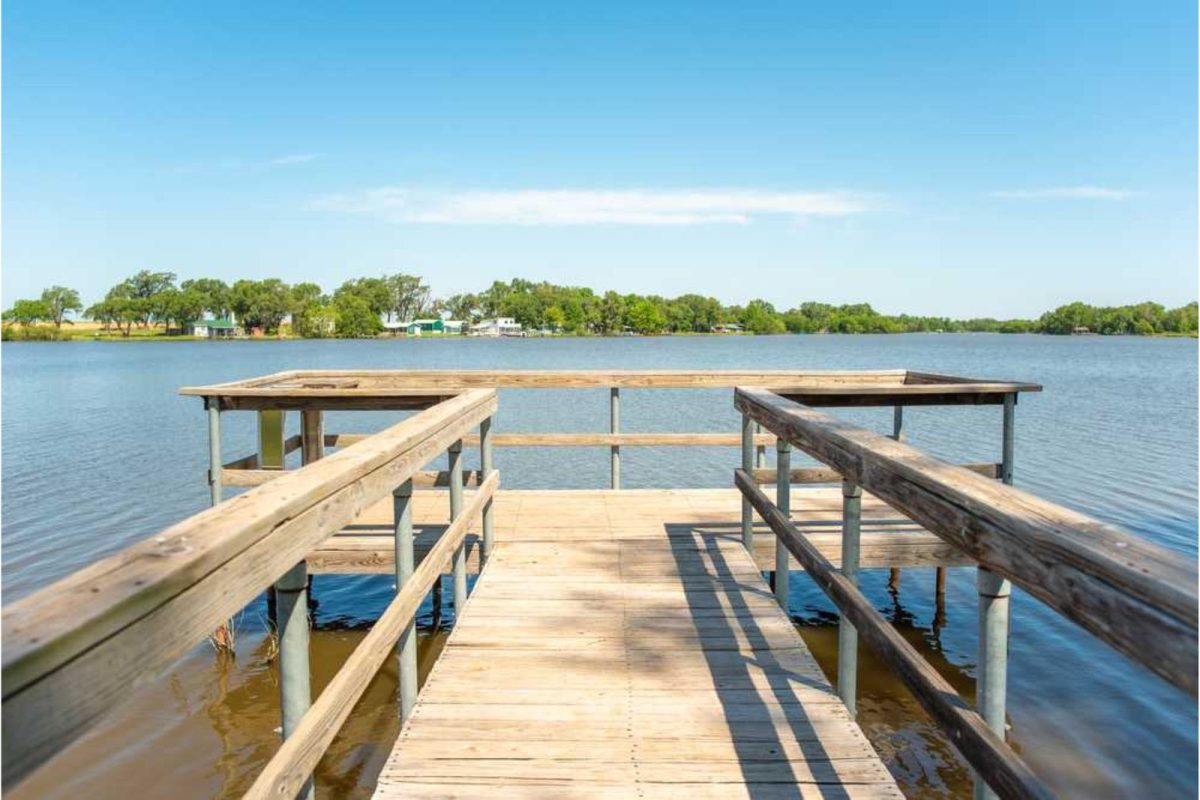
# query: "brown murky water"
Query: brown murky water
208,728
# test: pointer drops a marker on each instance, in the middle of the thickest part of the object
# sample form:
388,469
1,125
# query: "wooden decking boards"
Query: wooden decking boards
615,646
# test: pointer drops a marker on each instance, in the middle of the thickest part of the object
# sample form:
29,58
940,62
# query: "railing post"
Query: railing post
995,599
992,681
783,499
271,423
402,508
485,469
312,435
614,426
760,451
215,487
294,690
898,435
847,684
747,465
460,554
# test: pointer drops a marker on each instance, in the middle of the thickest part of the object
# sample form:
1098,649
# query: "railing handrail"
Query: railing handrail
1136,596
74,649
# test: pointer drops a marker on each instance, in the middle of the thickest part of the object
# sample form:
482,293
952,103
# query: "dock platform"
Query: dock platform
626,645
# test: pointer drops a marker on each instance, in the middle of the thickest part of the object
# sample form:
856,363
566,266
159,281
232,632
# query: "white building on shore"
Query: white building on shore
499,326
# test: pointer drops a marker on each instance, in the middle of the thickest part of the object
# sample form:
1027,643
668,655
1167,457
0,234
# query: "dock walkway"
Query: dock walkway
621,648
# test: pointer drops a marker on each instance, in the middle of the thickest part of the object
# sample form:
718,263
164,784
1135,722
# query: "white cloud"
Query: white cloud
298,158
1074,192
583,207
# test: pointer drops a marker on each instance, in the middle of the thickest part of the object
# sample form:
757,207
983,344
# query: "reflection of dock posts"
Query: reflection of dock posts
407,647
460,554
747,465
783,499
898,435
614,426
485,469
847,635
994,600
294,691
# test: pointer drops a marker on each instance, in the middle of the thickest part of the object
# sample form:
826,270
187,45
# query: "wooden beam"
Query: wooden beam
74,649
806,475
1138,597
295,760
257,477
986,752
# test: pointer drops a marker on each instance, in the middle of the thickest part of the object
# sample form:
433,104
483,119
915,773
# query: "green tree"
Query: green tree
216,295
760,317
28,312
645,317
373,291
354,317
261,304
60,300
408,297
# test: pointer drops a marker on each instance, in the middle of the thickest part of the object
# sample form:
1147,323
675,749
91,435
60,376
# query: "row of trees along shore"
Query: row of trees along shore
155,303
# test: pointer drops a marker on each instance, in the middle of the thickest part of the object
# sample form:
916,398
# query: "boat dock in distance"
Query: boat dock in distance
617,643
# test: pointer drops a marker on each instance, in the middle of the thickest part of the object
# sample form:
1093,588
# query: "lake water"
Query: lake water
99,451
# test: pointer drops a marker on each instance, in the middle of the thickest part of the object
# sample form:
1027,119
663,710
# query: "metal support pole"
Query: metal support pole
991,684
783,499
614,426
485,469
898,435
995,595
294,691
1006,459
456,504
747,465
847,683
407,648
214,449
760,451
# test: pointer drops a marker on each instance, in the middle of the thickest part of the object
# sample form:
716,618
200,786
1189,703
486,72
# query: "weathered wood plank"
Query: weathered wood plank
1134,595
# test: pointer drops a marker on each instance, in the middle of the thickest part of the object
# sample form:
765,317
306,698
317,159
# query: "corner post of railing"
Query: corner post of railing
456,504
294,690
485,469
995,599
614,426
405,564
215,486
748,466
783,499
312,435
847,684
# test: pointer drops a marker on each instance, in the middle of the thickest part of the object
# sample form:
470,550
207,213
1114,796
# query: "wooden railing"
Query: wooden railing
1137,597
75,649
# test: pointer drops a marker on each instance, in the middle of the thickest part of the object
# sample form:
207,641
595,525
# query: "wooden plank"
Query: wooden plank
74,649
805,475
1134,595
295,760
987,752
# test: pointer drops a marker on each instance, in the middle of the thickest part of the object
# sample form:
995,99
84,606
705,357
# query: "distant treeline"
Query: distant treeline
151,300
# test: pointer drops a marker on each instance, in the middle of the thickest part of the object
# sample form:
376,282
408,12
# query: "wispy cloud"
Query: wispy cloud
1071,192
583,207
297,158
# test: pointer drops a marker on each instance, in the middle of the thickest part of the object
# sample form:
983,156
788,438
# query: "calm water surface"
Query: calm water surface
99,451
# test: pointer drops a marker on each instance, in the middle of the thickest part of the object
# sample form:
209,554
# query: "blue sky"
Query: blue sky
959,158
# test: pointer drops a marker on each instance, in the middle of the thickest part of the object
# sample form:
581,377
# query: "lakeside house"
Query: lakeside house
212,329
448,327
732,327
498,326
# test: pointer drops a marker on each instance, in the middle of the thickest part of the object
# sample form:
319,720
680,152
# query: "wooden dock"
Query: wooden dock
621,644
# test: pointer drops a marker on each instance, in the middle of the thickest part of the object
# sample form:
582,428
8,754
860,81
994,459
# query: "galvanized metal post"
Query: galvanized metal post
456,504
614,426
1006,457
992,681
407,647
847,683
485,469
294,690
995,599
747,465
783,499
215,485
